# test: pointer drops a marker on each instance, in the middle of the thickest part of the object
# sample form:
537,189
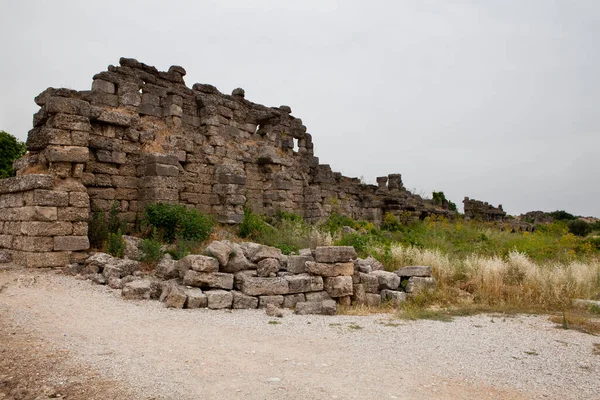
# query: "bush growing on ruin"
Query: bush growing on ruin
253,225
173,221
101,226
151,249
115,245
579,228
10,150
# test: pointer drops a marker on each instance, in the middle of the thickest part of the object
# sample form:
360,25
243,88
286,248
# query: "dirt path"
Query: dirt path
62,336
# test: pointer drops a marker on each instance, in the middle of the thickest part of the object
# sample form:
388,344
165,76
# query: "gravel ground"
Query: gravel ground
156,353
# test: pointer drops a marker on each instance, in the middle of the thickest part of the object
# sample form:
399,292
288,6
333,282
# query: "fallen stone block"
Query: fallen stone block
303,283
217,280
167,268
333,269
387,280
173,295
263,252
394,297
372,299
237,260
195,299
417,284
137,290
338,286
334,254
243,301
276,300
290,300
414,270
258,286
325,307
317,296
297,264
358,294
198,263
219,299
273,311
369,264
268,267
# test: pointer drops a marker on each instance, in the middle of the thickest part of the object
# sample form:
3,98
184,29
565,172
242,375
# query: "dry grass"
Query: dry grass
578,320
514,282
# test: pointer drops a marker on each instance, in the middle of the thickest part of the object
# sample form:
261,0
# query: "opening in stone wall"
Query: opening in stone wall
296,147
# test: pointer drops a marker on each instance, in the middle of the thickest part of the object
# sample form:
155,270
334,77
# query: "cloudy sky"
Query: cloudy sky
498,100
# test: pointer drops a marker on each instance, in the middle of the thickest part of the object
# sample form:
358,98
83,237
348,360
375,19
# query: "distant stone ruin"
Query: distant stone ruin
482,211
141,136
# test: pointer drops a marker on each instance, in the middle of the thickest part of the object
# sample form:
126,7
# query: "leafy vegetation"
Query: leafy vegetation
173,221
115,245
10,150
151,249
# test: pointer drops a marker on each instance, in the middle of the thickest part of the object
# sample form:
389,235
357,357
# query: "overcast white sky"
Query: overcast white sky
498,100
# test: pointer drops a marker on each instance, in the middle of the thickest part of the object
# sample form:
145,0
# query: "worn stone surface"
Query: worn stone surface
302,283
387,280
198,263
358,294
297,264
334,254
369,264
333,269
220,251
370,282
276,300
237,260
243,301
173,296
218,299
414,270
273,310
195,298
338,286
217,280
317,296
137,290
394,297
167,268
372,299
417,284
290,300
258,286
267,267
325,307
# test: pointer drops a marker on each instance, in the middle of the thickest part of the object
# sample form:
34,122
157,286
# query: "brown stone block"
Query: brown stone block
33,243
161,170
29,213
100,85
37,228
12,200
79,199
70,122
159,194
71,243
46,260
67,154
73,214
43,197
159,181
55,105
25,183
80,138
101,168
101,193
6,241
126,194
80,228
10,228
129,182
69,185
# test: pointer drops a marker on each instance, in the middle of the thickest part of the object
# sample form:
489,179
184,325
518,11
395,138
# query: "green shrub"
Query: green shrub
253,225
115,245
176,221
579,228
391,223
97,229
562,215
336,221
151,249
182,248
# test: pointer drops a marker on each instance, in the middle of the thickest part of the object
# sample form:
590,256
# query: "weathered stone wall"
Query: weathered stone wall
141,135
482,211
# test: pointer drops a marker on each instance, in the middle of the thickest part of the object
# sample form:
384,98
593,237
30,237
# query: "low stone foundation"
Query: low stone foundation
249,275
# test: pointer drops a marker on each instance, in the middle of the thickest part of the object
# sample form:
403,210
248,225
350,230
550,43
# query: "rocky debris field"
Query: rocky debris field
249,275
65,338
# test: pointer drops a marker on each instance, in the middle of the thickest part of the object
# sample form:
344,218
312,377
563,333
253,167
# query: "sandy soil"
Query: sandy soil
65,338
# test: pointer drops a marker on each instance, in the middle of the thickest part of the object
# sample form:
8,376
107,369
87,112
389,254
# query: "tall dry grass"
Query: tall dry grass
512,281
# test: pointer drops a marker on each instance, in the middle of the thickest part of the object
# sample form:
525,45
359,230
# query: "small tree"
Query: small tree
579,227
10,150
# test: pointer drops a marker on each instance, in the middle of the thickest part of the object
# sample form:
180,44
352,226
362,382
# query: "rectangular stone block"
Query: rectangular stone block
75,214
335,254
70,122
116,118
43,197
26,182
56,228
161,170
46,260
79,199
339,286
101,193
67,154
218,280
159,194
33,243
414,270
71,243
297,264
276,300
333,269
6,241
219,299
290,300
101,85
304,283
55,105
12,200
80,228
29,213
257,286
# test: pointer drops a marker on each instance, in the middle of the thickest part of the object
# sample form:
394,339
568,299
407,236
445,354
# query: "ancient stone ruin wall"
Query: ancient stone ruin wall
141,135
482,211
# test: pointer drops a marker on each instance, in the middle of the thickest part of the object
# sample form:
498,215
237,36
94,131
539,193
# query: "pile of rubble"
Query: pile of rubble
250,275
